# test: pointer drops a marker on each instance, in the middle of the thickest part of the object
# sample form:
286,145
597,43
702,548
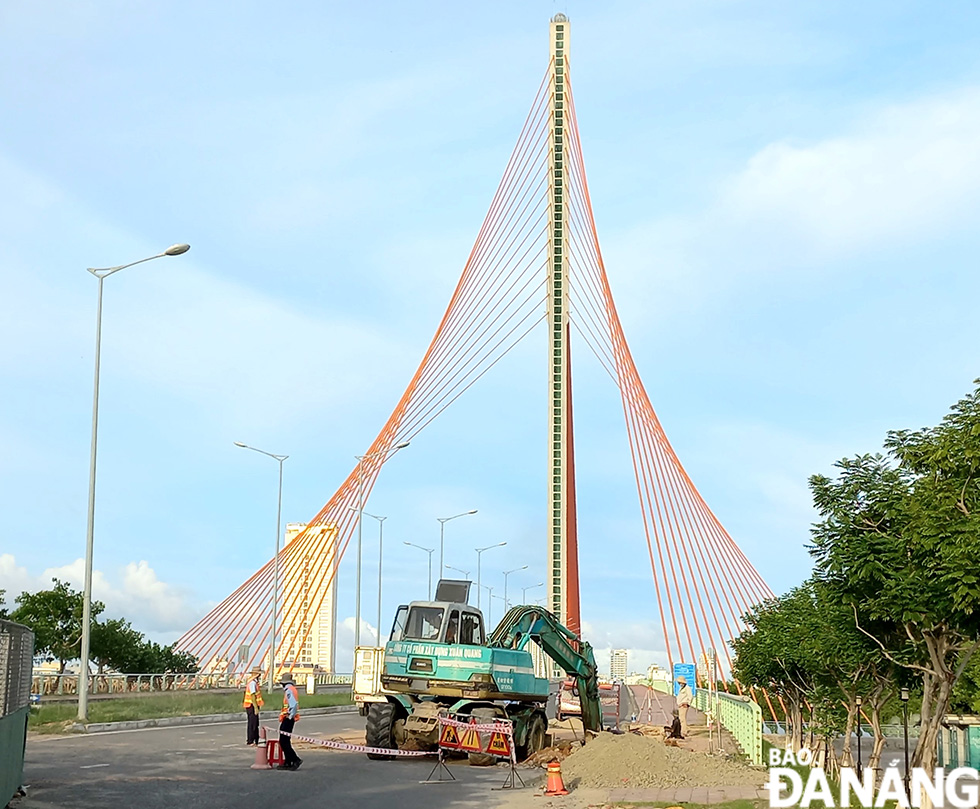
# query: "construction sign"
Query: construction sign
471,742
498,746
449,738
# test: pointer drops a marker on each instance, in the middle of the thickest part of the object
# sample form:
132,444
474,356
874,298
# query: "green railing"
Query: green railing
740,716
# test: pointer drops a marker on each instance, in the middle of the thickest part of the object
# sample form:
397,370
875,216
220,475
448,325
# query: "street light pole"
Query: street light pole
904,696
860,768
442,533
275,566
479,557
381,528
506,574
83,673
360,532
525,589
429,551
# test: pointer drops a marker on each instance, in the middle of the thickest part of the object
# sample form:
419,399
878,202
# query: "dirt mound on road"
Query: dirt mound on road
634,761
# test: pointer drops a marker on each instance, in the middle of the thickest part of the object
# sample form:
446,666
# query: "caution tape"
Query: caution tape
497,726
359,748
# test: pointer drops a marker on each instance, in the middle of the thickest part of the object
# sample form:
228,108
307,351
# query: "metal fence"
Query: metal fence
16,657
51,684
740,716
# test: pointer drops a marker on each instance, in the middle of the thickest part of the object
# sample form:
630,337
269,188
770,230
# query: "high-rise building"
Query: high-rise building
618,664
310,635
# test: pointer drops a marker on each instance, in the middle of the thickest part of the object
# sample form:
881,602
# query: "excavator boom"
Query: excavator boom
524,623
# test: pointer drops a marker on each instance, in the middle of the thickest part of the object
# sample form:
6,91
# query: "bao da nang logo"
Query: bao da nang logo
959,788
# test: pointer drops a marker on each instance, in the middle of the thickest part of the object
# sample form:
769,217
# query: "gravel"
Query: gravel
634,761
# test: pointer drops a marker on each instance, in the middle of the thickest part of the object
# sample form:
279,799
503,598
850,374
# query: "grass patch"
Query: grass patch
57,717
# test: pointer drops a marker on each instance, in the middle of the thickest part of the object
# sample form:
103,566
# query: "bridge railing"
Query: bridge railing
52,684
740,716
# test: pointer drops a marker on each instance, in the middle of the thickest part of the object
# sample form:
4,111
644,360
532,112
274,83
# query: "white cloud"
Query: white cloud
150,605
904,173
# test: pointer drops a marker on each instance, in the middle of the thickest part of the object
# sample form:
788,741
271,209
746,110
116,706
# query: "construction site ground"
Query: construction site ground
638,767
208,767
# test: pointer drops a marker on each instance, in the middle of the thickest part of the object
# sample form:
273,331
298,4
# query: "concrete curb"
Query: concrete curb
204,719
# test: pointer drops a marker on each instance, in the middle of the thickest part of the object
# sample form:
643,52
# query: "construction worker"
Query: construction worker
673,730
252,703
685,696
288,717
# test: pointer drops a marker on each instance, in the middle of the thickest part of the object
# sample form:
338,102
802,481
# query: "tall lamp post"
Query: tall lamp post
381,539
479,557
275,575
860,768
904,695
83,684
429,551
506,574
466,573
442,533
360,531
525,589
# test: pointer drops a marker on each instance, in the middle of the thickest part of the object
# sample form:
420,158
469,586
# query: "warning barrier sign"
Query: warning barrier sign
494,736
471,742
449,738
498,746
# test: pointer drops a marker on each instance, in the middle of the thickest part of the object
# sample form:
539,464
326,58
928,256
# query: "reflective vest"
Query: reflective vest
253,698
289,687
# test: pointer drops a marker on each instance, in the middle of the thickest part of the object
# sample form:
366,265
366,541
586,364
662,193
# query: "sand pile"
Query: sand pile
639,761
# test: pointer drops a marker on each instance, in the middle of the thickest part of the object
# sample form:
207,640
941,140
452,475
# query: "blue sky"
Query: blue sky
786,195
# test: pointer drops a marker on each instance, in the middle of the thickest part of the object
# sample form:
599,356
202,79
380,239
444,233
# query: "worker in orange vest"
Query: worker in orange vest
252,703
288,717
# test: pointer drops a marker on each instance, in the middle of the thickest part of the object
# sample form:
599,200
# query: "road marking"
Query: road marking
92,766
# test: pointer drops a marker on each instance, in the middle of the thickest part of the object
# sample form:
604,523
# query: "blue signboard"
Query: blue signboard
688,672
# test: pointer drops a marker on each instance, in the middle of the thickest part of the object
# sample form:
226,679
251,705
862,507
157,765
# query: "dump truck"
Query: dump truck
438,659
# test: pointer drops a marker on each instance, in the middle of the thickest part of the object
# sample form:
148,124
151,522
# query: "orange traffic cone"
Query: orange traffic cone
555,785
261,754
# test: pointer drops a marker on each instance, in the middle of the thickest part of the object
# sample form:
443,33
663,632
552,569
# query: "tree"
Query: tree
899,542
3,605
55,616
115,644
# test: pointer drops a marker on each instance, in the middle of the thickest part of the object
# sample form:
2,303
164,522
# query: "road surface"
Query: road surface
208,767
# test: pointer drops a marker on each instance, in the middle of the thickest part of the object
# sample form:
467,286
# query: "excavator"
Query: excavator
438,660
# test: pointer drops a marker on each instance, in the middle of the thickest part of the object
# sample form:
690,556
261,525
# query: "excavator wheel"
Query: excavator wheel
534,741
381,729
482,759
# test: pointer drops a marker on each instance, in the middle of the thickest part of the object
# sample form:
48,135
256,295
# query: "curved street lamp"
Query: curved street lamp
83,673
360,521
442,533
429,551
506,574
275,575
479,556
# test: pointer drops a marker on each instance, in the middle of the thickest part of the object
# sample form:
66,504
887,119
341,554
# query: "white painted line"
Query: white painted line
92,766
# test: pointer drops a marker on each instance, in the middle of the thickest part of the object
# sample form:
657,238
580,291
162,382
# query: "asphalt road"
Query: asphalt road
209,766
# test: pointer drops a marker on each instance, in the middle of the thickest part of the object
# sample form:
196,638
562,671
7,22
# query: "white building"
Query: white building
309,639
618,664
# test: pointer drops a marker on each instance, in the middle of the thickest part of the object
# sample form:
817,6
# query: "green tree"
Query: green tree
55,616
116,645
3,605
899,542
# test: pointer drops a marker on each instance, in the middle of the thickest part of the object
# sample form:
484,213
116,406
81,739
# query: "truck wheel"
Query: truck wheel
482,759
380,730
534,741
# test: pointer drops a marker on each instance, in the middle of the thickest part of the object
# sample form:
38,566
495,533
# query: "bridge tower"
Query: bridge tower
562,568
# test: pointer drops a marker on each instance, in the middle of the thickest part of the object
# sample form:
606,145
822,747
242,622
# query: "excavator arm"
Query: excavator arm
524,623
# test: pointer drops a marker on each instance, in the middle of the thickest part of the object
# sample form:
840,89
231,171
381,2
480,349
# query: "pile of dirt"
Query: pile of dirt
559,751
635,761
